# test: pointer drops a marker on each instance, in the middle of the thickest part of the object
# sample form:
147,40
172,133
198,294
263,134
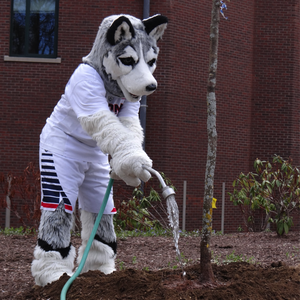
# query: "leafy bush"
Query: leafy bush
134,213
142,212
273,190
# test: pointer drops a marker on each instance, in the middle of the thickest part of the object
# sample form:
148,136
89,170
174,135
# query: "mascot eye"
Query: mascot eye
127,61
152,62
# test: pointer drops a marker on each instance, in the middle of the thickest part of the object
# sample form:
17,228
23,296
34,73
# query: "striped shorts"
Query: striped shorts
68,180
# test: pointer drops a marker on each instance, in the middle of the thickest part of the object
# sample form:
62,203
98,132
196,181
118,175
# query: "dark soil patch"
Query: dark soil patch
233,281
147,270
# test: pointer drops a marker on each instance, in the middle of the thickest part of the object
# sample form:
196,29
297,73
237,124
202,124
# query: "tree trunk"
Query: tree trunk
205,254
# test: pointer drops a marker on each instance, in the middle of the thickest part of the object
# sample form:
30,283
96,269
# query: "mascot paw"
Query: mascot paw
131,170
129,180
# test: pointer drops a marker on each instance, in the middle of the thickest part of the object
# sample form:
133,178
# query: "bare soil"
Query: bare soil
148,269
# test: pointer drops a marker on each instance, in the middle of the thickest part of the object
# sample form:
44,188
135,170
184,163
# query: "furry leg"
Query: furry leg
53,255
103,250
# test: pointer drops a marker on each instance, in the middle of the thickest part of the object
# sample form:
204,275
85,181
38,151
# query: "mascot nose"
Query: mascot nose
151,87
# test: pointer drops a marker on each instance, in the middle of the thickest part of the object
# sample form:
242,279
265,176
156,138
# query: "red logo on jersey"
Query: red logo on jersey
115,108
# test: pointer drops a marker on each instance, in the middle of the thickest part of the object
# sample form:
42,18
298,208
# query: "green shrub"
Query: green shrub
17,231
274,190
141,212
134,214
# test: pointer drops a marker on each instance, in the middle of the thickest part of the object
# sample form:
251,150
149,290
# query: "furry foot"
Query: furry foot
103,250
107,269
101,257
50,266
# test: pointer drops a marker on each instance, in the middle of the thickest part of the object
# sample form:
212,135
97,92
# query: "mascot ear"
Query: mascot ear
155,26
120,29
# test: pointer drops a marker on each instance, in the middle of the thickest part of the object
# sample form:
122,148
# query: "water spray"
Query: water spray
173,212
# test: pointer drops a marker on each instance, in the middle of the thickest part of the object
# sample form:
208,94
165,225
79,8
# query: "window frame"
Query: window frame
27,22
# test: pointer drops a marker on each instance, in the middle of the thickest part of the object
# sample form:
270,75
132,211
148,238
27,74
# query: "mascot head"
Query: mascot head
125,54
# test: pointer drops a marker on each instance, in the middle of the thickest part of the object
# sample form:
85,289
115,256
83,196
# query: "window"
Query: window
34,28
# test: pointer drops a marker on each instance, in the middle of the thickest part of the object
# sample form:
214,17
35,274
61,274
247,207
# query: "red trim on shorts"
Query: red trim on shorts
49,205
54,206
114,210
68,207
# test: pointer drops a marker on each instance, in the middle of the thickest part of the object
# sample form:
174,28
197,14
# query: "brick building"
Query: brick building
257,91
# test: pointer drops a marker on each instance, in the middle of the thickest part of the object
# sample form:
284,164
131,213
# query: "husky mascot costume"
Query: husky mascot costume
96,116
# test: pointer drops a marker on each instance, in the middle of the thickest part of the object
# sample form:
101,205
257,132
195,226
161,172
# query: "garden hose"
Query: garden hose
89,243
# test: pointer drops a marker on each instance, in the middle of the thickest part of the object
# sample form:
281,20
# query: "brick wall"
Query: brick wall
276,94
176,134
257,91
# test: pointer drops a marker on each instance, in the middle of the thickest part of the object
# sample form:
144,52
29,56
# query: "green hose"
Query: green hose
89,243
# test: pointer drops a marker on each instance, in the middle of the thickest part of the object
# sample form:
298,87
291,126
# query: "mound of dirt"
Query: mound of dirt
147,268
233,281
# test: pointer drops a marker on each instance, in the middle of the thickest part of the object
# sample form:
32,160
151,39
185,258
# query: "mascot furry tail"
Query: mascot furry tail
97,116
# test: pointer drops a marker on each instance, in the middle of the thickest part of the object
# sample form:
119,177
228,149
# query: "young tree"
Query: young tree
205,255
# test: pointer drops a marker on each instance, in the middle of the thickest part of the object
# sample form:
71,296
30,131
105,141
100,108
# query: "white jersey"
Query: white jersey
84,95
